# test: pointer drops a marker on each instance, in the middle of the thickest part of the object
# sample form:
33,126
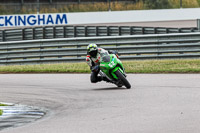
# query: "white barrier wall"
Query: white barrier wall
99,17
133,16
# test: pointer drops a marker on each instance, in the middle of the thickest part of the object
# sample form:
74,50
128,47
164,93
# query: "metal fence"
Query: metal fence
159,46
84,31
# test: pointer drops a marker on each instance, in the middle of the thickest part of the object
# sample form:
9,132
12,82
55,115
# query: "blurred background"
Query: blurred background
62,6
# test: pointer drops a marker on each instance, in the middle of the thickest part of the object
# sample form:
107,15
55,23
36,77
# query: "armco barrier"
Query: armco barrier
158,46
50,32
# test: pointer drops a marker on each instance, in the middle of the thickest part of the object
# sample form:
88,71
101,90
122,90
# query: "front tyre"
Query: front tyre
123,79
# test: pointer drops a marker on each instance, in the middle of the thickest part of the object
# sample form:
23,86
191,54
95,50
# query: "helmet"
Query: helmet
92,50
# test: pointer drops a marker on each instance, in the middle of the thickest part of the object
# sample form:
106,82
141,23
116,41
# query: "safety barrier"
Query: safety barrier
83,31
157,46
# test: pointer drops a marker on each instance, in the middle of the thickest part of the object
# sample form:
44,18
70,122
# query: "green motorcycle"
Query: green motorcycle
111,67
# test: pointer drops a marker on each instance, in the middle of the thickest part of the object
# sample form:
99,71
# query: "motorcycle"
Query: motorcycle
111,68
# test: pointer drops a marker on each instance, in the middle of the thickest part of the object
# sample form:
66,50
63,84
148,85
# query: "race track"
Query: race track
157,103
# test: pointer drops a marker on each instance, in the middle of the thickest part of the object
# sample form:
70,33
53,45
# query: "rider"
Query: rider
94,55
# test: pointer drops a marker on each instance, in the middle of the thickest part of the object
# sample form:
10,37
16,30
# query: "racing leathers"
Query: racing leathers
94,65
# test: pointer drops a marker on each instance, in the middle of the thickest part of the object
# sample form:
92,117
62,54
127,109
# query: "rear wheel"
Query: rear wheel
123,79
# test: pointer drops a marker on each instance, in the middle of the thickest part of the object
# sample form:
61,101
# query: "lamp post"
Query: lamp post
181,4
38,6
109,6
22,2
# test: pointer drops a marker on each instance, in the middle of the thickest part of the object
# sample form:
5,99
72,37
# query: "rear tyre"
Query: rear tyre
123,79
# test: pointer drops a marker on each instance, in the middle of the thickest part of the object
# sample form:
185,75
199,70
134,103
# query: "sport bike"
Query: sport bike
111,68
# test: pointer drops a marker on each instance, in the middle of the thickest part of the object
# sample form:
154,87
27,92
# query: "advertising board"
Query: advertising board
86,18
32,20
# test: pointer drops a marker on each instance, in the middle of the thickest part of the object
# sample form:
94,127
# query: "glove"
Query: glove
95,68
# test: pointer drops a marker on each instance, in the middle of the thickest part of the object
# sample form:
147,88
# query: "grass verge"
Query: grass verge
140,66
1,112
163,66
3,104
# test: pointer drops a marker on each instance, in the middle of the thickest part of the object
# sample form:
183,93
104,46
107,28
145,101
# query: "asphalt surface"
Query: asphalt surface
15,115
157,103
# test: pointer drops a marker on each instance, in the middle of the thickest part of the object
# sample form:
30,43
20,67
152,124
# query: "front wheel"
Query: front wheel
123,79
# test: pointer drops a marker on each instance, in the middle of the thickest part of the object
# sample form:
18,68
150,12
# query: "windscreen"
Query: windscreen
106,58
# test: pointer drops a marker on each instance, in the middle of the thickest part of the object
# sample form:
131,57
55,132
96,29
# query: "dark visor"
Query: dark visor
93,53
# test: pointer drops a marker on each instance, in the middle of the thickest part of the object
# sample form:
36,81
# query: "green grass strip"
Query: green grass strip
3,104
1,112
138,66
163,66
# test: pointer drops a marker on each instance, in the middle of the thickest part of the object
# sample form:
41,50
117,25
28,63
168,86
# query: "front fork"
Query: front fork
117,68
117,82
104,75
